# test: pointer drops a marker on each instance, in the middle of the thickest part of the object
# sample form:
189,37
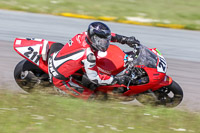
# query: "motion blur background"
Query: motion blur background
183,12
21,113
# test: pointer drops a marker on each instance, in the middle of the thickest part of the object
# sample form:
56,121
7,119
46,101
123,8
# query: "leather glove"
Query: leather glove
132,41
122,79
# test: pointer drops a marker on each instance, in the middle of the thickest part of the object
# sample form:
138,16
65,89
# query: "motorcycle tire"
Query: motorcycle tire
27,75
168,96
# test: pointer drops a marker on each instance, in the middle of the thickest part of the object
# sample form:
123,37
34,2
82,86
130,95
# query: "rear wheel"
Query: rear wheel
28,75
169,96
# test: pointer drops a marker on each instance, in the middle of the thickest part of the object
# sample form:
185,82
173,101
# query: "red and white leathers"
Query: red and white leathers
72,57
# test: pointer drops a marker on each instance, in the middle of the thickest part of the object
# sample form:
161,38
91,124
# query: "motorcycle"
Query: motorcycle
146,68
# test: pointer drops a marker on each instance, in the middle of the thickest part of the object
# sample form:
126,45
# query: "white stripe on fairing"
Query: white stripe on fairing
44,50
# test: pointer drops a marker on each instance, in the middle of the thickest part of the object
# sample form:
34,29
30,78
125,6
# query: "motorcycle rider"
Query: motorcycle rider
81,51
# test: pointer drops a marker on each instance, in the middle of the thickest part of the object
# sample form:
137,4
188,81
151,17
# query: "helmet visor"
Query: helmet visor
99,43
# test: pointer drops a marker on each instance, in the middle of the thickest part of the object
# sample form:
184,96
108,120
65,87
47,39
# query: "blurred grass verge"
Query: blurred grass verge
181,14
44,113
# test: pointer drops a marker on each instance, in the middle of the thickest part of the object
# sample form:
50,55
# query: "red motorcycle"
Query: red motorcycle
146,67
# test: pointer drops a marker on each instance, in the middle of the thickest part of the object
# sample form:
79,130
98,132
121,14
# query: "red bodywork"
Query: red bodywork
111,63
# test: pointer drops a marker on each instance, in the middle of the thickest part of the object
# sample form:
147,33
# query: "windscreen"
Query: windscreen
146,57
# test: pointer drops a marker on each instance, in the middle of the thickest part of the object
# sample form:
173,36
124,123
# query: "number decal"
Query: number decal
162,65
33,56
37,59
30,52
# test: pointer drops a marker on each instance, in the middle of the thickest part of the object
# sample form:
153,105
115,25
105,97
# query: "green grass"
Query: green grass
42,113
185,12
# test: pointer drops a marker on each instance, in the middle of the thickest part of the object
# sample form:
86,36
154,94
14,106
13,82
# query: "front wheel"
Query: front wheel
169,96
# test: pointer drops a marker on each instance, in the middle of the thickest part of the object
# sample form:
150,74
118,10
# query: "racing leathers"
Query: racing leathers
78,53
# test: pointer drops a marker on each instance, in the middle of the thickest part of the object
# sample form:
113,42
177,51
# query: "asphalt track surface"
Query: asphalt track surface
179,47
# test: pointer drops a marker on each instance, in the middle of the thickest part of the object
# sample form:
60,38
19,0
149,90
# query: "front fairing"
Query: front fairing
155,66
150,58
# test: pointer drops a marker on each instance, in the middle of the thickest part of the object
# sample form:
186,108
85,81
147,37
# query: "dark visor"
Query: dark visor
101,43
